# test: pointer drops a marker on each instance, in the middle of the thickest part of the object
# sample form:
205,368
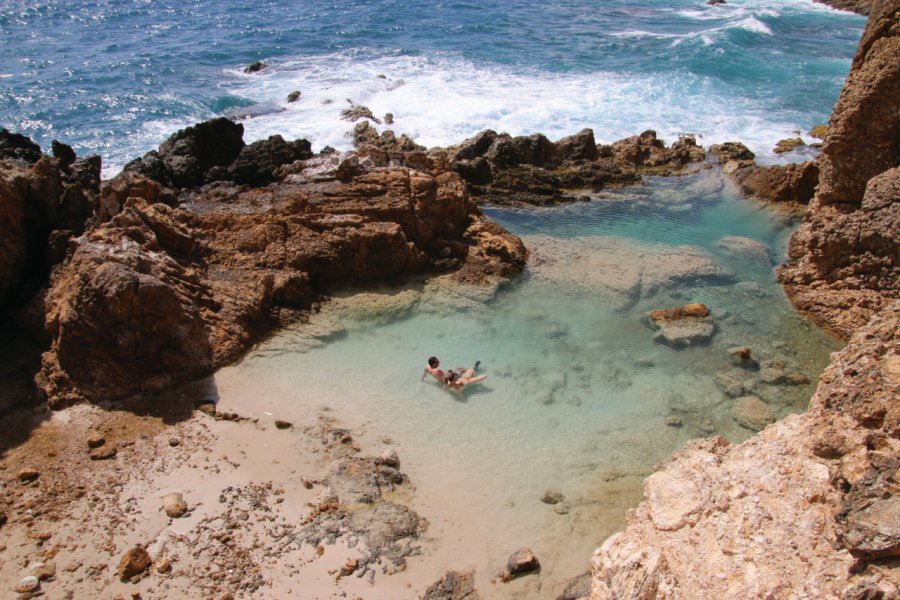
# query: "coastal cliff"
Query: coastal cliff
808,507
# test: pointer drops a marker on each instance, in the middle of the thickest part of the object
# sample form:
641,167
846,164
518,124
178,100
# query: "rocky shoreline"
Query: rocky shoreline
808,507
177,266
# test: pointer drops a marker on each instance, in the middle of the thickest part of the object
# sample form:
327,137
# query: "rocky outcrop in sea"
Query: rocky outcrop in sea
808,507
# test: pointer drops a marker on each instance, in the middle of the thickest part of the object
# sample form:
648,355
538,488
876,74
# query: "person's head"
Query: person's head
451,377
433,362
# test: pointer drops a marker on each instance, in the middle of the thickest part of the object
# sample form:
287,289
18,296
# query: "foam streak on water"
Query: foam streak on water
118,77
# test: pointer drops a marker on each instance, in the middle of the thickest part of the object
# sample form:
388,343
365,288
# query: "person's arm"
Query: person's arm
424,373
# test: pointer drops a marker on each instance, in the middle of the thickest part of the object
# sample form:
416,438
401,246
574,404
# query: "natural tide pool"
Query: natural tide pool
580,397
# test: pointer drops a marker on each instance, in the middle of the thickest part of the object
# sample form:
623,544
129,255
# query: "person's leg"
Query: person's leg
468,373
476,379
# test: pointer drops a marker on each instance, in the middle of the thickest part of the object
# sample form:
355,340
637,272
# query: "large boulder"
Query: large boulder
256,163
18,147
184,159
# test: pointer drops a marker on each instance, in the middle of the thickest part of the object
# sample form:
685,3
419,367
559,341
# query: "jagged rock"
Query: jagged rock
255,67
256,164
715,2
752,413
865,124
356,112
778,183
731,151
128,184
156,295
184,159
174,504
64,153
453,586
787,145
366,135
293,96
578,147
135,561
844,265
682,326
18,147
646,150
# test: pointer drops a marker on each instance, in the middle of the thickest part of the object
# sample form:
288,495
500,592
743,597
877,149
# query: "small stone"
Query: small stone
2,547
552,497
164,566
349,567
174,442
389,458
3,519
522,560
306,483
293,96
28,474
389,118
103,452
44,571
320,549
135,561
279,424
674,421
96,440
27,585
174,504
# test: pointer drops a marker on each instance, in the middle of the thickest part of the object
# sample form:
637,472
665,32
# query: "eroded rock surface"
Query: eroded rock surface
158,295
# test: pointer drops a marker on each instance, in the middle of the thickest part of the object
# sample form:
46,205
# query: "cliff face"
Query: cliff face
809,507
844,258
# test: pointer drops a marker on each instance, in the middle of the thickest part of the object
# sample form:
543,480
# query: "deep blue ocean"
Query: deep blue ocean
117,77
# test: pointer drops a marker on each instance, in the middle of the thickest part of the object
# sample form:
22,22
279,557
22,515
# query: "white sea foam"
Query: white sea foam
441,100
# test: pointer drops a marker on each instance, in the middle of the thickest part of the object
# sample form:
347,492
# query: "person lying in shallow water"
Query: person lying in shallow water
457,381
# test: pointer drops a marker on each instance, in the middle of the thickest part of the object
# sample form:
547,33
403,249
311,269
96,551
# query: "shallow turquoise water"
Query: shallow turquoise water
578,392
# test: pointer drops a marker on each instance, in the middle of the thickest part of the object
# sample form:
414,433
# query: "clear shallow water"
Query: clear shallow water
578,392
116,78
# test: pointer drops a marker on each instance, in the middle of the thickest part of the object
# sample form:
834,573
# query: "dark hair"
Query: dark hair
433,361
452,376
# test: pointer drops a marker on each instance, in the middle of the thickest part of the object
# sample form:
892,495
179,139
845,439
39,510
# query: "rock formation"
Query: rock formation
774,183
159,294
844,258
502,169
807,508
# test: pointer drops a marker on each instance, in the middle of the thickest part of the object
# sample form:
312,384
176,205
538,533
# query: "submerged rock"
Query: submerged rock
752,413
683,326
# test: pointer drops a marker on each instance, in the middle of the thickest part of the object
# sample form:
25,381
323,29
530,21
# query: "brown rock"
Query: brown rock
279,424
522,561
864,127
778,183
44,571
174,504
349,567
255,67
164,566
28,474
682,326
27,585
103,452
96,440
135,561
